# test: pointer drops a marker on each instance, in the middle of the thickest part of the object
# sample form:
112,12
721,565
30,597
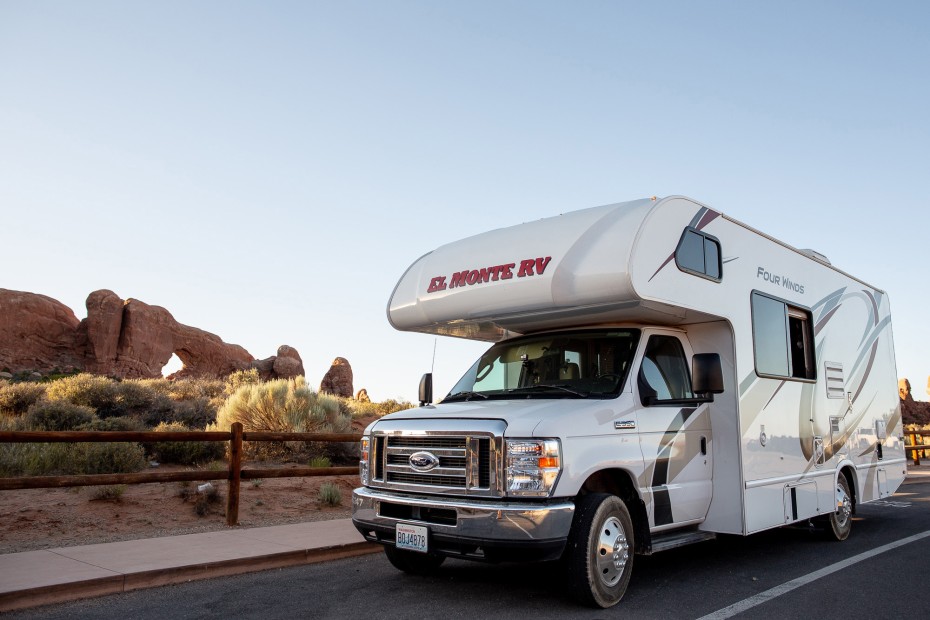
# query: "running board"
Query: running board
673,540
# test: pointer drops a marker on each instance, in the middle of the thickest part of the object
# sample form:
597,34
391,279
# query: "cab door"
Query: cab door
675,436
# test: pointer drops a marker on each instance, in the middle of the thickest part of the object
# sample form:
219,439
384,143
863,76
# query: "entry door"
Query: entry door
675,437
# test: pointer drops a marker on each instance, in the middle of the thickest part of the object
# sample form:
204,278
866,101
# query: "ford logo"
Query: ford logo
423,461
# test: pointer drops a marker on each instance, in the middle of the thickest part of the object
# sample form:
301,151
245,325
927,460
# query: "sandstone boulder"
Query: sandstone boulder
338,380
36,333
287,363
904,389
362,396
264,367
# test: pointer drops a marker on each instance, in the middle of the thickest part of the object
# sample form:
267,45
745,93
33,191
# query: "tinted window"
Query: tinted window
691,252
699,253
711,258
782,338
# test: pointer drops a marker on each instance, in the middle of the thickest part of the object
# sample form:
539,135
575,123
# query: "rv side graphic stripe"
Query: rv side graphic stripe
661,502
830,300
825,319
697,217
777,390
763,597
702,218
868,371
708,217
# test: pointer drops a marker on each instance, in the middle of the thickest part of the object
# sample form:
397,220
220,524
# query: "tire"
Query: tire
412,562
599,553
838,524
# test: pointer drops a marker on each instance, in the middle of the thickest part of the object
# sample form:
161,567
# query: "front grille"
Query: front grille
464,463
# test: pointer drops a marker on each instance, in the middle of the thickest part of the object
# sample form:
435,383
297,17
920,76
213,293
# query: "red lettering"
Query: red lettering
437,284
472,277
506,274
541,264
458,279
526,268
496,272
484,275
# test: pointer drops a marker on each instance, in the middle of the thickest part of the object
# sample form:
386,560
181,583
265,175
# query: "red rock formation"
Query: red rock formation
101,330
338,380
126,339
287,364
36,333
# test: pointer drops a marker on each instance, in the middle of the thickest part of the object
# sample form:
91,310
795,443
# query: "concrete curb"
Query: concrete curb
100,586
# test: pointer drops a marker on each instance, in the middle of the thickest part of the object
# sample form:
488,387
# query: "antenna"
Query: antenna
433,367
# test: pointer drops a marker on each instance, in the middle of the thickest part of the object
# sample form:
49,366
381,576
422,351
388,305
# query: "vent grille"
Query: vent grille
835,380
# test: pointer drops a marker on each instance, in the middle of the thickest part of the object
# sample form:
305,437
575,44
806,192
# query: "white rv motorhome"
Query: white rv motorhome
660,373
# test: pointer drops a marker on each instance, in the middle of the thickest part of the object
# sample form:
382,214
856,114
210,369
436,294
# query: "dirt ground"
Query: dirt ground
33,519
46,518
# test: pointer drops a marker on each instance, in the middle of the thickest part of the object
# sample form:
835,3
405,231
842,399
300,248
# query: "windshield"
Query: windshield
582,364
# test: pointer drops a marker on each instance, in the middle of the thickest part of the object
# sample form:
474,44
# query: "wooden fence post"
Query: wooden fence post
235,474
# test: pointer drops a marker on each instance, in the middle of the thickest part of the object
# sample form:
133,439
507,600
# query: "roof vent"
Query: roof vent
817,256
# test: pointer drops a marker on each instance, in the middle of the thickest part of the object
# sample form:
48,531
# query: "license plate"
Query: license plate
412,537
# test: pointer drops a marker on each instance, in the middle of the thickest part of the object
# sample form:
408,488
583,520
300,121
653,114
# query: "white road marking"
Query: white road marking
762,597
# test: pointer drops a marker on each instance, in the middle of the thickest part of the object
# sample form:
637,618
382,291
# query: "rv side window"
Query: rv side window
783,339
699,253
664,374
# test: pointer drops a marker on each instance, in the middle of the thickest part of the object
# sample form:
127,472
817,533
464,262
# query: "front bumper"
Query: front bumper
472,529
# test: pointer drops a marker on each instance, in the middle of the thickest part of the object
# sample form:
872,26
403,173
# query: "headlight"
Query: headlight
363,463
532,466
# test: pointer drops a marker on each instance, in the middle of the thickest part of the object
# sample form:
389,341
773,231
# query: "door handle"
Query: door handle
704,446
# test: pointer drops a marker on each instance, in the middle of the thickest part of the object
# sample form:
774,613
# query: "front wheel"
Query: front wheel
599,555
413,562
839,522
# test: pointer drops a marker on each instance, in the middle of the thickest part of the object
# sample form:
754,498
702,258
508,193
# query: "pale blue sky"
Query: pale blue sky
266,171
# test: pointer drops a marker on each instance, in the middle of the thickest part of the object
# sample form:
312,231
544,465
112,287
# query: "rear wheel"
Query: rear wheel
839,523
599,555
413,562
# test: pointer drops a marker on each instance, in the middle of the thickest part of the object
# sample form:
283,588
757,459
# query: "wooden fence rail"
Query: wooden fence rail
916,446
234,473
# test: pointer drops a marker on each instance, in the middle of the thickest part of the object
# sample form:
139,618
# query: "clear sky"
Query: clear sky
267,170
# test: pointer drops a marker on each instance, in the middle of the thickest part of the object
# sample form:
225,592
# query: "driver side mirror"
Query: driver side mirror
706,374
426,389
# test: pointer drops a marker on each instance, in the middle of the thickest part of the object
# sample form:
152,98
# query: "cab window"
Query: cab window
663,374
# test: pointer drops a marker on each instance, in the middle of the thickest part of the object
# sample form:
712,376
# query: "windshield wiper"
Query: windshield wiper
464,395
553,387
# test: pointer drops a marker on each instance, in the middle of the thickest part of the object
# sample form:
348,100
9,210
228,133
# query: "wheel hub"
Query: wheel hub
613,552
843,505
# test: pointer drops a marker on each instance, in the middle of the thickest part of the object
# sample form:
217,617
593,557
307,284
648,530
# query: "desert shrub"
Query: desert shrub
203,499
239,378
330,494
111,492
67,459
16,398
134,396
186,389
57,415
360,409
123,423
321,461
186,452
85,389
197,413
283,405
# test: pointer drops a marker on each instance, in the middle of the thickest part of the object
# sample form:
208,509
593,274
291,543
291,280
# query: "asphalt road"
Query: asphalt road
785,573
